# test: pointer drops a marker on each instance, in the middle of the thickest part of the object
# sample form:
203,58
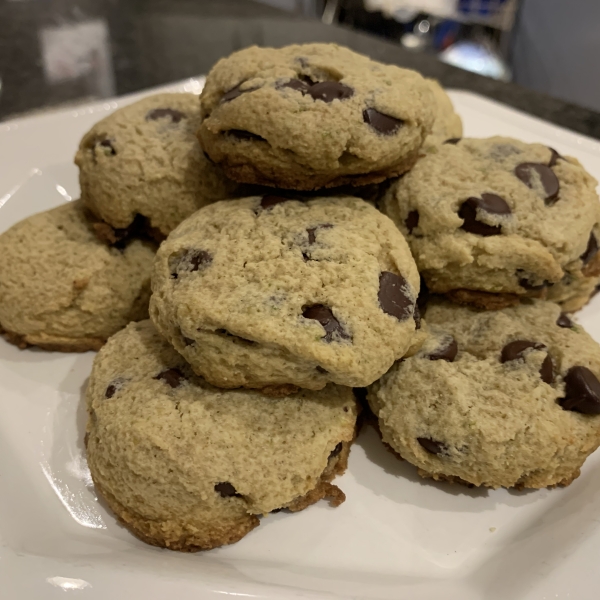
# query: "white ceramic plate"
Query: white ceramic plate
395,537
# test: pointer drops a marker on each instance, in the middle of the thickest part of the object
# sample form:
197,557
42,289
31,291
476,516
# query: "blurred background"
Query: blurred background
53,52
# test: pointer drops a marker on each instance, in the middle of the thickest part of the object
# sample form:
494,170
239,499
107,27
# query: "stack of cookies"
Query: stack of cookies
315,231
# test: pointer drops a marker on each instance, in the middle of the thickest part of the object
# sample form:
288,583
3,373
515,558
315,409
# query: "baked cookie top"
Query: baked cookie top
447,125
62,289
327,283
144,159
195,460
496,215
496,398
313,115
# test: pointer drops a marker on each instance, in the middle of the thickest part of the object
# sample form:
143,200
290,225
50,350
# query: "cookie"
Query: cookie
61,289
492,220
187,466
311,116
144,161
276,290
447,125
505,398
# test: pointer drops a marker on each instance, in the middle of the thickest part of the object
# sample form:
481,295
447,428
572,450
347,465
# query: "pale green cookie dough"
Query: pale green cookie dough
469,407
188,466
550,231
313,116
62,289
144,159
272,290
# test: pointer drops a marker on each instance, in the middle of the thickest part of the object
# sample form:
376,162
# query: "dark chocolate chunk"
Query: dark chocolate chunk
328,91
107,144
489,203
564,321
582,391
113,387
336,450
234,92
298,85
549,180
412,220
171,376
514,351
554,157
447,353
312,230
547,370
380,122
452,141
160,113
189,261
271,200
394,296
431,446
591,250
240,134
226,490
324,316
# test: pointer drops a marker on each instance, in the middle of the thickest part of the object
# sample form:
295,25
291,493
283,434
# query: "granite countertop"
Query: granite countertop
128,45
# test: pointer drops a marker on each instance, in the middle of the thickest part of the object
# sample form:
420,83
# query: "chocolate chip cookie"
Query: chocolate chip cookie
310,116
505,398
277,290
61,289
187,466
493,220
447,124
144,161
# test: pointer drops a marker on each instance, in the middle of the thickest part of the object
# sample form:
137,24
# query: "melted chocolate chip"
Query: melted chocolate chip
380,122
324,316
591,250
298,85
107,144
160,113
189,261
412,220
328,91
431,446
550,183
547,370
514,351
447,353
394,297
113,387
240,134
582,391
226,490
336,450
564,321
489,203
554,157
234,93
270,201
171,376
312,231
453,141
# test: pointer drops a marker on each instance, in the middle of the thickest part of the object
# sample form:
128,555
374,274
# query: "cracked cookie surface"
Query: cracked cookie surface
274,290
498,216
62,289
188,466
144,159
496,398
313,116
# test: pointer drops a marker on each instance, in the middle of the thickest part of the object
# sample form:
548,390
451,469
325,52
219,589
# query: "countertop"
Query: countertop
128,45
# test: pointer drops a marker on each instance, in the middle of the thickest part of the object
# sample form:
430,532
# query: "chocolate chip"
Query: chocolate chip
226,490
380,122
171,376
107,144
564,321
324,316
270,201
412,220
336,450
514,351
160,113
526,284
113,387
447,353
547,370
591,250
489,203
312,230
550,183
431,446
394,296
554,157
298,85
189,261
234,93
328,91
240,134
452,141
582,391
